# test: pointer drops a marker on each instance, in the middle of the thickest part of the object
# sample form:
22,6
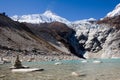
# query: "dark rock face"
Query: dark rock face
56,31
111,21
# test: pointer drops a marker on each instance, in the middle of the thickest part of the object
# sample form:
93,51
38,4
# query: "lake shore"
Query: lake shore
34,58
38,56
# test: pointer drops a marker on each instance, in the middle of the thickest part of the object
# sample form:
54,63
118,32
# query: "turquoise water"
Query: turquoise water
109,69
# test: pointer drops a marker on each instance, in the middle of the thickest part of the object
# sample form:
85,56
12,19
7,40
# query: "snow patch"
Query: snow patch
115,12
47,16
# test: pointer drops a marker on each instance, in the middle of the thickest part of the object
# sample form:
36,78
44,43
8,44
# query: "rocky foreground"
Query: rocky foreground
37,57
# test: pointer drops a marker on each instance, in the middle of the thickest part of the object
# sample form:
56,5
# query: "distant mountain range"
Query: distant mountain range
47,16
53,34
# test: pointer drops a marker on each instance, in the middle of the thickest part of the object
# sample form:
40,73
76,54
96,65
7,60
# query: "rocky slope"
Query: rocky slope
100,40
15,36
46,39
60,36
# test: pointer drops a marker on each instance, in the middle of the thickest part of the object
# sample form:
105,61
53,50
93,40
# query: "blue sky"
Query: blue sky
69,9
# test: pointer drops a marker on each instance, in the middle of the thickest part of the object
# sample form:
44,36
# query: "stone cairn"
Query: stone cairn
18,63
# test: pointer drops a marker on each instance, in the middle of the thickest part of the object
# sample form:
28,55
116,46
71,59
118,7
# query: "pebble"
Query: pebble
1,62
75,74
2,76
58,63
84,61
96,61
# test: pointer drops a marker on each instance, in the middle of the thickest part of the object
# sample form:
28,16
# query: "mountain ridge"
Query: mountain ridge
88,37
115,12
47,16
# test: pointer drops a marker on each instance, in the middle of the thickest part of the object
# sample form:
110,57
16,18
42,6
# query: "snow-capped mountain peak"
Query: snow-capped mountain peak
118,6
49,13
115,12
55,17
47,16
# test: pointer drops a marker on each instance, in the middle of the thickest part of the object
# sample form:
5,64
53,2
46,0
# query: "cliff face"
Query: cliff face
100,39
60,36
111,47
106,43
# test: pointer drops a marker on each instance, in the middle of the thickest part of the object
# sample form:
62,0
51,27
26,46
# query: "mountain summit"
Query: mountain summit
49,13
48,16
115,12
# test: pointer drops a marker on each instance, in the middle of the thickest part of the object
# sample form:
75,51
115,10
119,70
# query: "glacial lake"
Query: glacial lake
109,69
